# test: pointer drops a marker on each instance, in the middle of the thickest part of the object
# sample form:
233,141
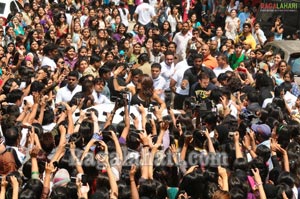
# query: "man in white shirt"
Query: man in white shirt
167,67
258,34
66,93
144,13
223,65
50,52
159,83
99,98
181,39
175,84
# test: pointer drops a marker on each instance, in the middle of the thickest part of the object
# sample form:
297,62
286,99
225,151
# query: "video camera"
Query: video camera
202,106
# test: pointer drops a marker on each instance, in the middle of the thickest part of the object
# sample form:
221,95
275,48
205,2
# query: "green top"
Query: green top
235,61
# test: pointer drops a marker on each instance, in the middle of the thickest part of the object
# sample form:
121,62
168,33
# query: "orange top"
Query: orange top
210,62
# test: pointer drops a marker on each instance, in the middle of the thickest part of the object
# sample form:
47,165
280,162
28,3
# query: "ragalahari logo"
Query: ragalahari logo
280,6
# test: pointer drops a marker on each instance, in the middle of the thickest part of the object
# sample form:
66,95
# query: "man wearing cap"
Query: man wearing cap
262,134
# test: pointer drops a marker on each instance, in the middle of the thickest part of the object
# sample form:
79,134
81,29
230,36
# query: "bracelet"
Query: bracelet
258,184
146,146
35,172
78,123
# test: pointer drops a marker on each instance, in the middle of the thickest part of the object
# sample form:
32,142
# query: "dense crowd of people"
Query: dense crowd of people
199,108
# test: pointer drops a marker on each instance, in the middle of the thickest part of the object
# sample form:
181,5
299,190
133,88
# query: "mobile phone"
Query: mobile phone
73,179
203,129
25,102
122,113
97,137
55,164
84,179
248,130
177,123
132,116
88,114
241,69
231,134
251,182
149,116
77,114
26,126
104,113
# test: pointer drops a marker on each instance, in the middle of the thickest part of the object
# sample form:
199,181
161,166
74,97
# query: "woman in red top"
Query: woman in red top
62,27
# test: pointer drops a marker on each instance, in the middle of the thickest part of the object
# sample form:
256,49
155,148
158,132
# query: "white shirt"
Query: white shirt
46,61
180,68
261,35
100,98
233,109
220,70
172,20
160,84
145,13
181,42
124,17
290,99
167,72
65,95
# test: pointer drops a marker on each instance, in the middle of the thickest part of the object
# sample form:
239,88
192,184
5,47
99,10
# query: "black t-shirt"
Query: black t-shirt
199,92
137,100
192,76
113,92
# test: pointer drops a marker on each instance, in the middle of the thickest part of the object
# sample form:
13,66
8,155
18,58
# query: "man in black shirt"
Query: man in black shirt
121,81
201,89
191,75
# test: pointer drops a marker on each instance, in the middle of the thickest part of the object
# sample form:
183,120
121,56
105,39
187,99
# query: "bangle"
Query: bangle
78,123
146,146
35,172
258,184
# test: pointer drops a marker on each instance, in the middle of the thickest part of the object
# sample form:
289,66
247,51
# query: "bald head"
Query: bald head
205,50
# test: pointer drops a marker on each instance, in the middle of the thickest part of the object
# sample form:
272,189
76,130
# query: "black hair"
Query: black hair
263,152
48,48
28,194
194,184
124,190
144,57
48,116
59,192
36,186
7,86
11,136
94,59
69,48
156,65
147,189
14,96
